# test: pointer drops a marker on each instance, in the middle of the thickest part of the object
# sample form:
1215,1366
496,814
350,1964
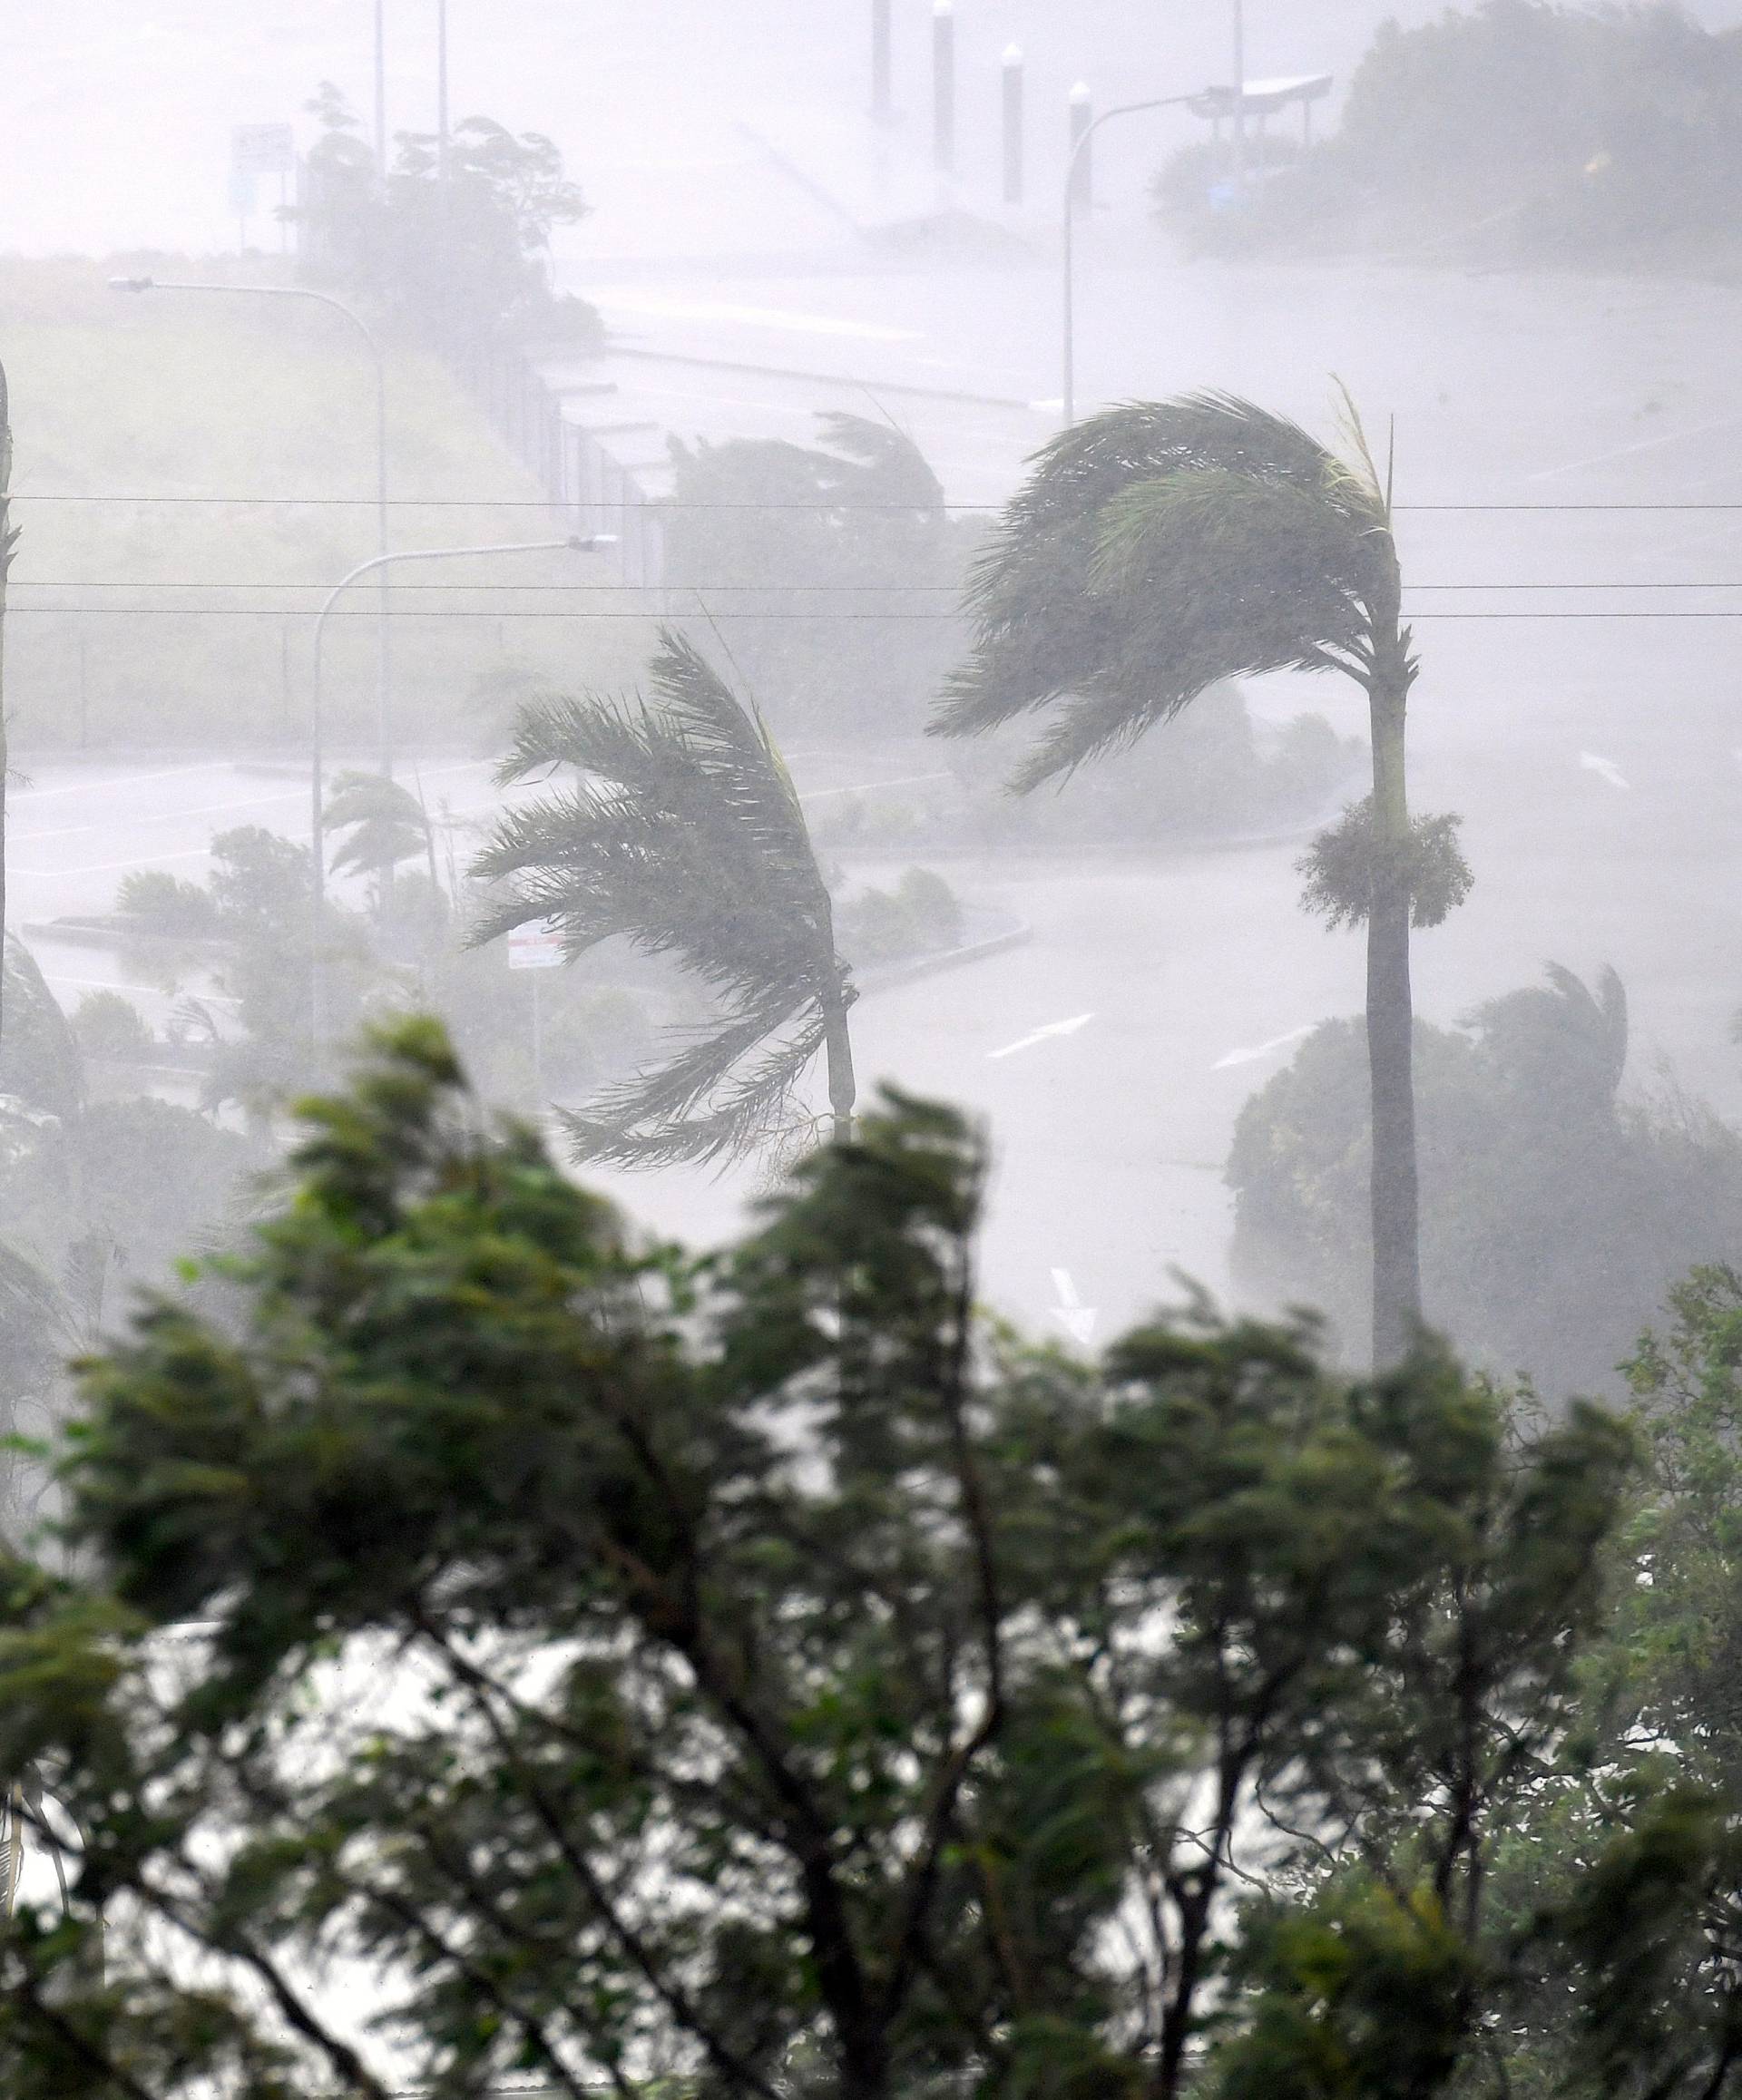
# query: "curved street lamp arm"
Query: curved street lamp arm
1069,390
258,291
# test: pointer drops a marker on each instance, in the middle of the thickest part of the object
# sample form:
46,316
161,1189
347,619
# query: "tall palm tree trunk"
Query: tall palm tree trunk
1397,1258
838,1048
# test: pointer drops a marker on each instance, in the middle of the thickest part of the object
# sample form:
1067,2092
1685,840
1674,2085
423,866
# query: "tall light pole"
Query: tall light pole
441,93
381,92
577,543
383,647
883,68
1239,98
1068,288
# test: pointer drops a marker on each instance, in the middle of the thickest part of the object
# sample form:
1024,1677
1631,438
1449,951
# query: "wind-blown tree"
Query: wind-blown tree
682,833
749,1676
1162,546
383,824
802,535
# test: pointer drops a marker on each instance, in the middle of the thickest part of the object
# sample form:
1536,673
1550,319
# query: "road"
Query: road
1194,974
1594,759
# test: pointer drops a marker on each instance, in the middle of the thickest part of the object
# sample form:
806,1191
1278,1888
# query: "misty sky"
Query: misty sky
115,114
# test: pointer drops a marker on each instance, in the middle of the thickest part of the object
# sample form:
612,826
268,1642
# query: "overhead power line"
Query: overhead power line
757,590
644,614
665,503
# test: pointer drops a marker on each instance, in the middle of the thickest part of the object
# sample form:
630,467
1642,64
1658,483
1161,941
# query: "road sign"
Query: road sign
537,945
262,149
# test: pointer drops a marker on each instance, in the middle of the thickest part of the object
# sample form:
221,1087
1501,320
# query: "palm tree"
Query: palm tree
1162,547
683,836
388,825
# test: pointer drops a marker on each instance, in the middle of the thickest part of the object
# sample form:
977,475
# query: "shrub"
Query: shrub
1555,1212
1528,126
804,535
108,1025
921,913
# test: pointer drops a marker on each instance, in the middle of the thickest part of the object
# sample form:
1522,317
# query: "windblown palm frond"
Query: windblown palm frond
1155,550
40,1060
683,834
1568,1037
386,823
885,466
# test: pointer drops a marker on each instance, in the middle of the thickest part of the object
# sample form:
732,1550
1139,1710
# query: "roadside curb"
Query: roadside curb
890,974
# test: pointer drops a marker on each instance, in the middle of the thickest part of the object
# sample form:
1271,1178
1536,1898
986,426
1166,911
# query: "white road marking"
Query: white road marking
120,781
171,815
1604,768
1549,473
150,860
871,786
1053,1028
145,990
1077,1319
1250,1055
659,306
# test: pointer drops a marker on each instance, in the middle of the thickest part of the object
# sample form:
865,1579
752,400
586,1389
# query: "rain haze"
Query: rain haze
743,552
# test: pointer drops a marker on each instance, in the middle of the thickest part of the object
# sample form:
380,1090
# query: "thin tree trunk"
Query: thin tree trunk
1397,1260
842,1090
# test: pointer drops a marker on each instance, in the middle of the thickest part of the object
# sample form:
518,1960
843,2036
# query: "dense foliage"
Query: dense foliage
756,1672
1519,127
455,252
1556,1211
847,551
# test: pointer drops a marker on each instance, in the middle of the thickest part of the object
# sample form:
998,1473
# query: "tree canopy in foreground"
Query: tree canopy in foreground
506,1650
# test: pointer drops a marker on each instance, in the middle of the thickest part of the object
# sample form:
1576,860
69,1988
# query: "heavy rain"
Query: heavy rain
870,1050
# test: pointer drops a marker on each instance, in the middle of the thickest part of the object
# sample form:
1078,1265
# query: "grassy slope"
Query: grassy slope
171,394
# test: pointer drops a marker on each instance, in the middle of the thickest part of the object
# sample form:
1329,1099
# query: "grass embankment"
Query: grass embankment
143,624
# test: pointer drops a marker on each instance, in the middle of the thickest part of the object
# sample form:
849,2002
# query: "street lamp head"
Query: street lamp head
133,284
590,543
1081,95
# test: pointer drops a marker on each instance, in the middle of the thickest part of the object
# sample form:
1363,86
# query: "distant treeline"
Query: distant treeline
1520,128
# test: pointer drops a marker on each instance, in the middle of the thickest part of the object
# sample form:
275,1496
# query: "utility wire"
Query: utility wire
282,612
760,590
673,504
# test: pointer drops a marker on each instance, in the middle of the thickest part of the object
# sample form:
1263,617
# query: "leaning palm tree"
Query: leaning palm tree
683,834
1162,547
381,824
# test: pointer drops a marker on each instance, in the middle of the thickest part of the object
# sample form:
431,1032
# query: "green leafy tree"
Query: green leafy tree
254,923
457,252
1158,548
1558,1209
381,825
1521,129
683,836
809,541
753,1673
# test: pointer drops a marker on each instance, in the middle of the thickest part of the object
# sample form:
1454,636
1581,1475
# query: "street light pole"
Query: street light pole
441,95
577,543
380,93
383,647
1068,303
1239,99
